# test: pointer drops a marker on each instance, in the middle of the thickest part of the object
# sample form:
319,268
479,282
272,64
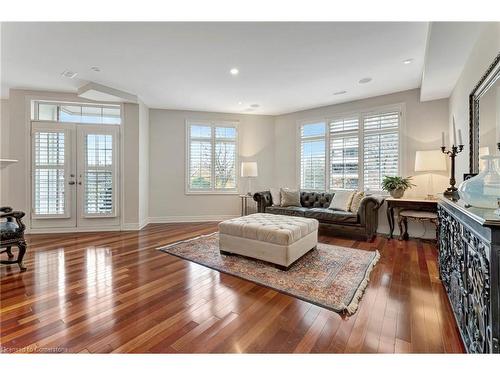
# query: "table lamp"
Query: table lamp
249,170
430,161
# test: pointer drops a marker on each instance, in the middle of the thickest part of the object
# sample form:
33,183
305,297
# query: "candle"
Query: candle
442,139
460,137
454,133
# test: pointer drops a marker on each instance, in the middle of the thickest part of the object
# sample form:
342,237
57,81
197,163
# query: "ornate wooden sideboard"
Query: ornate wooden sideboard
469,252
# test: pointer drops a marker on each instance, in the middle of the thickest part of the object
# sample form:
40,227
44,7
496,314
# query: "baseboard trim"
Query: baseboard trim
189,219
72,230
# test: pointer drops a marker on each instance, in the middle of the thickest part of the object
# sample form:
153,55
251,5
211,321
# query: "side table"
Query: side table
414,204
244,203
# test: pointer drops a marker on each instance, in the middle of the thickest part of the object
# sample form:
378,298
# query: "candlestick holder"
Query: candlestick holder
452,191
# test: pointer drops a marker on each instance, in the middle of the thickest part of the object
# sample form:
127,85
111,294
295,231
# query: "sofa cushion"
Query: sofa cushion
290,210
327,214
315,199
289,197
342,200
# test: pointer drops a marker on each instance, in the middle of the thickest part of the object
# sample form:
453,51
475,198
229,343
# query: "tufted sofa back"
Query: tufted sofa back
310,199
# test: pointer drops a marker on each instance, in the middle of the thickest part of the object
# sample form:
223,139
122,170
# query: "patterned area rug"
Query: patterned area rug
330,276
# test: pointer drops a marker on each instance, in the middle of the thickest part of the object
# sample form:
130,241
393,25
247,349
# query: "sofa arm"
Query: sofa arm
368,210
263,199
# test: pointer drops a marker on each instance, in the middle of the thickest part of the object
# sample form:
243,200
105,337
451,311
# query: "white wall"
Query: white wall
168,200
143,164
482,55
424,122
4,150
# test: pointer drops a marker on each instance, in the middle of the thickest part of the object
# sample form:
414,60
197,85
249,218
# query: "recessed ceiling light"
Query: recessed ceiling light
95,68
234,71
254,105
340,92
365,80
408,61
240,103
69,74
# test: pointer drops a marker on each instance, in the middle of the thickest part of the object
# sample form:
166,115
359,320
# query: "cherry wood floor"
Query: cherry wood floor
114,292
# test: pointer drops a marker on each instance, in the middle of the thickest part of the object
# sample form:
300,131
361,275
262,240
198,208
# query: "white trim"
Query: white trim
189,219
60,98
114,228
135,226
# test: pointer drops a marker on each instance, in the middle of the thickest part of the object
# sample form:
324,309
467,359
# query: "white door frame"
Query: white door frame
101,223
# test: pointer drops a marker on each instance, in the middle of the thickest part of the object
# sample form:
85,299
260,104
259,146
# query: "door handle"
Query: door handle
71,183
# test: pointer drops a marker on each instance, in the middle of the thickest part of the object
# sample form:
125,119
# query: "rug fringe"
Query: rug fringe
353,306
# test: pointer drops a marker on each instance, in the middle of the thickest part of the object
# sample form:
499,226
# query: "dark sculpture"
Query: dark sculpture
12,234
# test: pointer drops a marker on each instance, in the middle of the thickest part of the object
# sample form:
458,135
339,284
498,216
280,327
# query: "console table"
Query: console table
469,267
414,204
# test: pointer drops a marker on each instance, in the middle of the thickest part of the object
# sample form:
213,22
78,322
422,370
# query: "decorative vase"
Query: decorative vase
483,190
397,193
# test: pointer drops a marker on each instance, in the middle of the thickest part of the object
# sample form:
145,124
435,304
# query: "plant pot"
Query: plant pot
397,193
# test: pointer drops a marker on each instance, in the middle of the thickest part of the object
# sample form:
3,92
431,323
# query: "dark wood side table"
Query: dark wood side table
393,204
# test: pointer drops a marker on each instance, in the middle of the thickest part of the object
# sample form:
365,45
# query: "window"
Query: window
98,174
355,152
212,157
80,113
49,178
312,162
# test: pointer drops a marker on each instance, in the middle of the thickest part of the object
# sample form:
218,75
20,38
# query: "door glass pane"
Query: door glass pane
99,174
49,173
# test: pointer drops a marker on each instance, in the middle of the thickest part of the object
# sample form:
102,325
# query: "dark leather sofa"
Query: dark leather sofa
362,224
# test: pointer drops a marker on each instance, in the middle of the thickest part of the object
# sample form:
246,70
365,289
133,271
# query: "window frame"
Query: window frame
360,114
187,159
35,111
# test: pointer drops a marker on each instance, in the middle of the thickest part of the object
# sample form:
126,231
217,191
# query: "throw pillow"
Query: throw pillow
276,196
290,198
341,200
356,201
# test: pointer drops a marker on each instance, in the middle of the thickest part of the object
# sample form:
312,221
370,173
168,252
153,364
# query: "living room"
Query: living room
250,187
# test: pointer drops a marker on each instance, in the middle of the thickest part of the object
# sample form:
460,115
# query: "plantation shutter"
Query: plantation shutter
344,164
381,148
312,156
99,174
212,157
49,173
225,158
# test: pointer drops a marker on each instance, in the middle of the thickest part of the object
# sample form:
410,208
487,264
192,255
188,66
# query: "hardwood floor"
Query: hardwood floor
114,292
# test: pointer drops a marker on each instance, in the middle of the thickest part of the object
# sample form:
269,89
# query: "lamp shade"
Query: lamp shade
431,160
249,169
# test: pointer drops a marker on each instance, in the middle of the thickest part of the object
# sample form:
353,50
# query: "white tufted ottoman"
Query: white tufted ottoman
277,239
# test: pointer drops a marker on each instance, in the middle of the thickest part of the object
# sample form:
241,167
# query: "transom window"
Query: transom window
350,152
212,151
75,112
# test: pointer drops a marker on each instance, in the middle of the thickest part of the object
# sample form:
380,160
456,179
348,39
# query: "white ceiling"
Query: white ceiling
284,67
448,48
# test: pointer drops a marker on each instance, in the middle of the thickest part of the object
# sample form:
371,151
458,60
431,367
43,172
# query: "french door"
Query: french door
74,176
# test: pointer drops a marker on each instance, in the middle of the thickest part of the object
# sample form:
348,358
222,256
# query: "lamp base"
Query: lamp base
452,193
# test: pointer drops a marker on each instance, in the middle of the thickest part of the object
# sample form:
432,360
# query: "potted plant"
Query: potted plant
396,185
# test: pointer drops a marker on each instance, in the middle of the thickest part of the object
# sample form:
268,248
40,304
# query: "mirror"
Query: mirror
484,102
